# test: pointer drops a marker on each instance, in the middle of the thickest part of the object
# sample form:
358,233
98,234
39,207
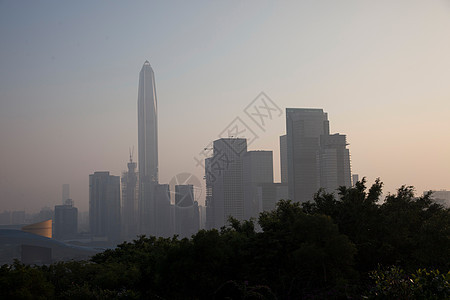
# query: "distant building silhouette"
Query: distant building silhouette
441,197
268,194
239,183
5,218
283,159
202,216
315,159
18,217
147,149
355,179
104,206
257,170
83,222
186,211
65,193
130,192
304,128
334,162
44,214
163,211
209,202
65,221
224,179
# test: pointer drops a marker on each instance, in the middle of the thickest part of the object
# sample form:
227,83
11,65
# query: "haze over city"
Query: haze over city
69,86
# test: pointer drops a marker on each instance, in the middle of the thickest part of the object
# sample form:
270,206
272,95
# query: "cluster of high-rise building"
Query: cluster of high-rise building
315,158
63,219
239,182
146,206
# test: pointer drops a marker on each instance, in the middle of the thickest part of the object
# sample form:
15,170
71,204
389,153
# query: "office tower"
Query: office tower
268,194
202,216
355,179
65,192
83,221
163,208
147,124
130,192
257,169
184,195
209,182
334,162
147,148
104,206
65,221
283,159
316,159
225,175
196,219
304,128
186,211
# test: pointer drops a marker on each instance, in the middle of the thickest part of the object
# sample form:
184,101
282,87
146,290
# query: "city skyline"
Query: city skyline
379,70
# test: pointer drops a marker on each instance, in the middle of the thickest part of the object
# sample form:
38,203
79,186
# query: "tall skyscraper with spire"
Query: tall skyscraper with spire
147,148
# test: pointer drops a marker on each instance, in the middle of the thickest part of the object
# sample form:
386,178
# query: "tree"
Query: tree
412,232
304,252
19,281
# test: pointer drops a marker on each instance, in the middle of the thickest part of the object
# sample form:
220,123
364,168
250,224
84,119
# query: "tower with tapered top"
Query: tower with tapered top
147,148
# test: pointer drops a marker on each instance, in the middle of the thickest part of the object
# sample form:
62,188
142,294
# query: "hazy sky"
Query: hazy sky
69,77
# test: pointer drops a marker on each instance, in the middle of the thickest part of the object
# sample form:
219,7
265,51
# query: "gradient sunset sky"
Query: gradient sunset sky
69,78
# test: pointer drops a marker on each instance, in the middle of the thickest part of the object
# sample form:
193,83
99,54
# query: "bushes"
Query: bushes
19,281
393,283
404,230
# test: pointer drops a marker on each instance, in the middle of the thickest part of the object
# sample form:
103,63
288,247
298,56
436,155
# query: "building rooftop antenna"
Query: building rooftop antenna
131,150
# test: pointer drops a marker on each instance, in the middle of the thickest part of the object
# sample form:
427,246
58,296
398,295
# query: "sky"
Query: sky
69,77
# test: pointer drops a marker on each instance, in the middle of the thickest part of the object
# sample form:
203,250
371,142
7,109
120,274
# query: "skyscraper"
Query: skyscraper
283,159
186,211
224,175
315,159
104,205
304,128
334,162
147,148
209,201
268,194
130,201
258,169
66,221
163,211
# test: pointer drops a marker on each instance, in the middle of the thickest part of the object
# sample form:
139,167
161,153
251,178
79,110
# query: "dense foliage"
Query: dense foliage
350,246
411,232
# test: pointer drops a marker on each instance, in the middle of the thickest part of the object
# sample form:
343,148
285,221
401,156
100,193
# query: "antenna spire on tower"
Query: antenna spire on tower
131,151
